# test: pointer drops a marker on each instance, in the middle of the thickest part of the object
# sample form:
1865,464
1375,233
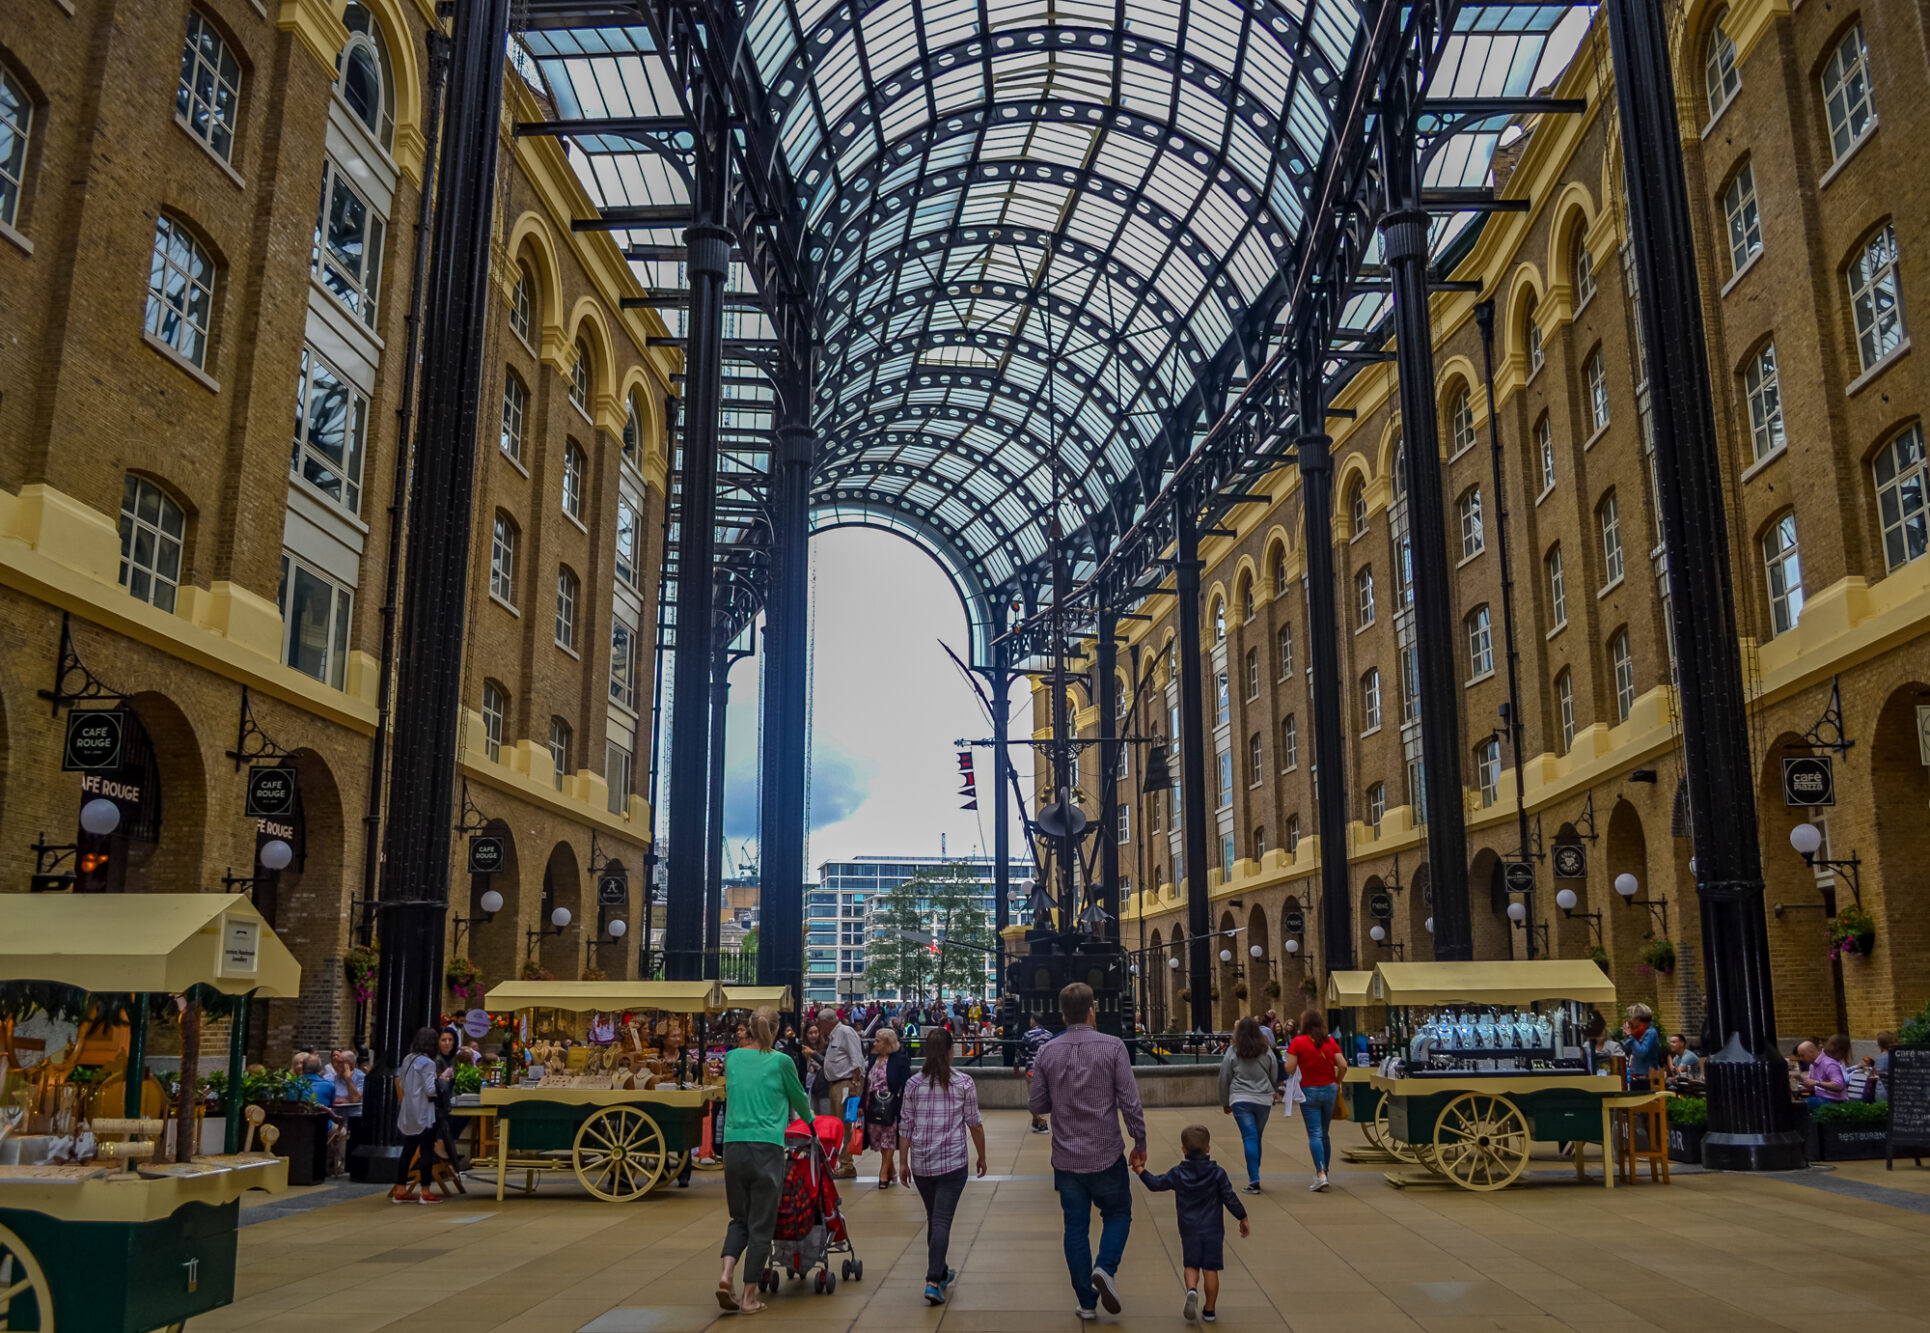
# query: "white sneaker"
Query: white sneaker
1085,1316
1108,1293
1191,1310
1320,1181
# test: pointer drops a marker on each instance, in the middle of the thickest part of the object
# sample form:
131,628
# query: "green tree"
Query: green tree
963,928
892,962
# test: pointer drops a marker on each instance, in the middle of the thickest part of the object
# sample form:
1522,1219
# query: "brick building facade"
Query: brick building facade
168,292
1800,123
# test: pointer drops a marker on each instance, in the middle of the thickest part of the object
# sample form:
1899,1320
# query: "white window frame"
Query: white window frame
569,591
1410,674
1226,779
626,541
1289,744
1474,537
207,101
1848,105
1783,572
1622,657
1584,274
357,285
495,703
1283,641
515,412
619,775
1597,380
16,124
562,740
1252,673
1557,587
580,379
1721,80
180,296
1744,218
1763,388
1901,476
623,663
166,539
1608,513
1370,701
1461,424
1376,806
1357,510
1537,354
1255,760
1480,629
519,304
312,463
1565,704
1364,598
1123,822
502,559
574,465
335,632
1487,769
1545,443
1293,835
1873,281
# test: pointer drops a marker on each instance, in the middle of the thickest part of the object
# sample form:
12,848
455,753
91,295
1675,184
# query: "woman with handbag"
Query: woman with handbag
884,1085
1316,1058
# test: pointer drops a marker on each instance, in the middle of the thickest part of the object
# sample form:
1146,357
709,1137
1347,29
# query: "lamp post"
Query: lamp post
1518,914
1627,886
491,903
559,922
1567,900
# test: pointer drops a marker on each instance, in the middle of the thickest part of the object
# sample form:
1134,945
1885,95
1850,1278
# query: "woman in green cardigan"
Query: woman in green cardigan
762,1096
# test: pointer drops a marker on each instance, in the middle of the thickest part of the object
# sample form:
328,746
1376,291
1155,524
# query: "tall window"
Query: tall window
623,684
1474,539
619,775
1376,806
567,595
1902,484
1289,744
1487,770
515,408
1226,778
1246,600
1480,643
209,98
562,739
1226,856
519,304
1364,597
573,466
1370,700
180,291
1611,541
1745,222
1222,706
330,425
1461,423
1597,392
1565,705
1286,651
1253,673
1253,761
1259,844
366,80
16,120
347,253
1537,357
1846,92
1357,508
1719,73
1623,663
1277,574
632,433
1765,402
1293,835
1557,588
152,531
1545,451
580,379
1784,570
1410,685
1123,821
1584,275
494,704
626,542
315,618
1417,790
1219,622
502,560
1875,300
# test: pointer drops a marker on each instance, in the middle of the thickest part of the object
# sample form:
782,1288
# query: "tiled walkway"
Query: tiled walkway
1709,1254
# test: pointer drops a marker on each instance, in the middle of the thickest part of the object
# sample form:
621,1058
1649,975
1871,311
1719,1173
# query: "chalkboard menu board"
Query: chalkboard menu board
1909,1103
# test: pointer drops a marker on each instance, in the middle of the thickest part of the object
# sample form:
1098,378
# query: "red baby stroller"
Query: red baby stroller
810,1225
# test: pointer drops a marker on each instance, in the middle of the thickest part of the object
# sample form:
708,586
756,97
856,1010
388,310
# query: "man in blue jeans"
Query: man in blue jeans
1083,1079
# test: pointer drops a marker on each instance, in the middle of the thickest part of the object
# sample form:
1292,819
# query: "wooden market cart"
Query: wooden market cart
618,1141
86,1248
1467,1115
1353,991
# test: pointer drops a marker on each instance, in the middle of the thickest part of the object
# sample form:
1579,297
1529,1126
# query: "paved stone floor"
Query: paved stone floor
1711,1253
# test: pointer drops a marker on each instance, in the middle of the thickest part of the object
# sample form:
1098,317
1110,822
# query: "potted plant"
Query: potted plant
1852,933
359,965
1849,1131
1598,956
303,1126
1688,1122
463,980
1658,955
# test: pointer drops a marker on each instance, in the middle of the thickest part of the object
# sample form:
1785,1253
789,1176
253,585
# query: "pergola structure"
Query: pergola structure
1048,288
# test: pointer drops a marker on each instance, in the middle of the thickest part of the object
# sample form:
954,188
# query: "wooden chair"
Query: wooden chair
1650,1112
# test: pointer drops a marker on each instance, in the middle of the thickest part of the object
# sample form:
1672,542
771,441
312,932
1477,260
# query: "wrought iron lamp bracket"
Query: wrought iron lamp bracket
87,687
251,741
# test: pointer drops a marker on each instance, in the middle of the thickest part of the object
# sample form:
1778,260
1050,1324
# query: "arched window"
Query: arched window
1246,598
515,408
1474,533
1584,274
1783,569
365,76
1219,621
1597,391
16,122
568,594
1623,663
1480,643
1846,93
1357,508
1876,301
573,469
1370,701
1531,338
1902,485
502,559
208,100
1763,388
180,291
1565,704
1719,73
1364,598
633,432
1460,422
152,532
1376,806
1744,218
580,378
1277,570
520,301
562,743
495,704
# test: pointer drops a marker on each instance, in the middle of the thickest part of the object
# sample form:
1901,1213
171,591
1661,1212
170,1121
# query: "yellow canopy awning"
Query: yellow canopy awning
1347,990
673,997
754,997
161,943
1514,981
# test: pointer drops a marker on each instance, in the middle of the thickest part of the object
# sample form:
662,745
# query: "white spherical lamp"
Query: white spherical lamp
491,901
560,917
1134,969
1173,963
101,816
1293,946
1377,934
618,927
1255,951
1566,900
1805,838
1691,865
1429,923
1226,955
1517,912
276,854
1627,885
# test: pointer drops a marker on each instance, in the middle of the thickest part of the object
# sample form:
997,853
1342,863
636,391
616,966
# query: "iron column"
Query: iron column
1105,664
1436,637
1001,799
428,692
709,263
1192,749
720,664
1749,1109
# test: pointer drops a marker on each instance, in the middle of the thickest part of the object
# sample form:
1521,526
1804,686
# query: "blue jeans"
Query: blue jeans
1252,1119
1319,1110
1079,1191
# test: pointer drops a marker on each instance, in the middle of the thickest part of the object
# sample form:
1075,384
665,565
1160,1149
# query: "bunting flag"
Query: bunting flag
969,791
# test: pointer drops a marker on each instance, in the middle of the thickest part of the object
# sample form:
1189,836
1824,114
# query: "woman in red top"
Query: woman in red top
1317,1058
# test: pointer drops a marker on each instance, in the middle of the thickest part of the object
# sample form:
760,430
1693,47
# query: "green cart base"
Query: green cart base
619,1145
1475,1132
118,1277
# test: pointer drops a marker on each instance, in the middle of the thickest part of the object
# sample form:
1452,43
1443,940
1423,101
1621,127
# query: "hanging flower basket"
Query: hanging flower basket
1273,990
535,971
1239,989
1309,985
463,980
1598,956
591,972
1658,956
1185,995
1852,933
359,965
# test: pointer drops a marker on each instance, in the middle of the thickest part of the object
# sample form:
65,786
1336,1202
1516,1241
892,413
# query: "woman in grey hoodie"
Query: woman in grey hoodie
1249,1082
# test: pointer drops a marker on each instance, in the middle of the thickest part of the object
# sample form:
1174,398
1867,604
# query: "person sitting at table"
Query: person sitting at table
1683,1062
1826,1080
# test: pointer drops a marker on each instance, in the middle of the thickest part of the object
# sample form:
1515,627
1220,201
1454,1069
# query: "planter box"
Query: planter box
1852,1143
1685,1143
303,1141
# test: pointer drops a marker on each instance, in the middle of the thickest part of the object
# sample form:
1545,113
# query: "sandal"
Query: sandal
759,1308
727,1298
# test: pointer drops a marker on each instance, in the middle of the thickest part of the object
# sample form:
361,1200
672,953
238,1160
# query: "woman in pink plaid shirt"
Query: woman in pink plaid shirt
939,1106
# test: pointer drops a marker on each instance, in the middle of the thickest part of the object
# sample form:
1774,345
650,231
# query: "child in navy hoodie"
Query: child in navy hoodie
1200,1190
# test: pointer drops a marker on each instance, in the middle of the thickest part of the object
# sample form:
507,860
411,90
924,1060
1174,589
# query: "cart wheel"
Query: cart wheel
26,1301
1383,1138
618,1154
1480,1142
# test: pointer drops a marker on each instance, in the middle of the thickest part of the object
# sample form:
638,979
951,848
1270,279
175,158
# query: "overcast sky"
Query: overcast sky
887,707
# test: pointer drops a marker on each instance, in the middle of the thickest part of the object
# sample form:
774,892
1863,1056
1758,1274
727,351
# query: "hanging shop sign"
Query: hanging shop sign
273,792
1519,876
613,886
1296,921
1570,861
486,854
95,740
1809,780
240,947
1381,906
